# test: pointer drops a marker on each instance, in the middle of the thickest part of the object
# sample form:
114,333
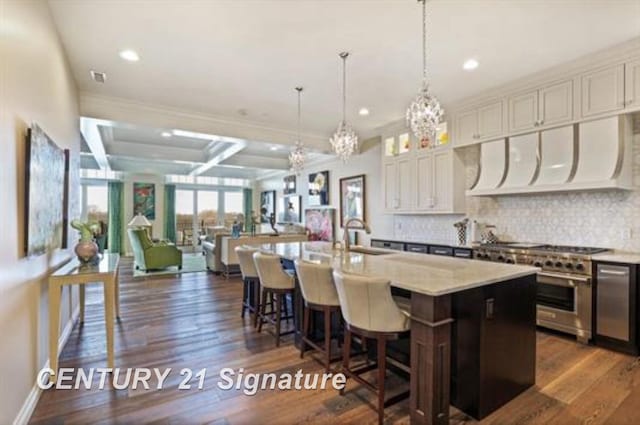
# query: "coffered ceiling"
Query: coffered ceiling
238,61
132,148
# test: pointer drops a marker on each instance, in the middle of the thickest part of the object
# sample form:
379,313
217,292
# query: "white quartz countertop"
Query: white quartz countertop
622,257
432,275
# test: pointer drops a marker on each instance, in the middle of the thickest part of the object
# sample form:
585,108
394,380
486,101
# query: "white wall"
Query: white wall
367,163
35,86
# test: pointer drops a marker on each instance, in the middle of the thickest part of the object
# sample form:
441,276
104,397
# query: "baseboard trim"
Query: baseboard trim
29,405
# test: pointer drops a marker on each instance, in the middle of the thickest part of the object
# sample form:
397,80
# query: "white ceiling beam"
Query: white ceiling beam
147,151
256,161
218,157
89,129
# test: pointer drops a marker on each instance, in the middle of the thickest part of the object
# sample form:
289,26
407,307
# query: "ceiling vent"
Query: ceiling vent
98,77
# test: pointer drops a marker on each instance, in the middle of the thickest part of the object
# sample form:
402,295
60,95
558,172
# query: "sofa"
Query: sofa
149,255
212,255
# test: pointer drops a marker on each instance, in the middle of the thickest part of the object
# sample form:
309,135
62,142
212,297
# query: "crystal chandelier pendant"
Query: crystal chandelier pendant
297,155
425,113
423,116
344,141
296,159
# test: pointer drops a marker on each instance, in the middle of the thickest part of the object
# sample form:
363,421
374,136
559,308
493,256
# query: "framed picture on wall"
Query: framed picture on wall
319,188
267,205
144,200
289,187
290,210
352,198
319,223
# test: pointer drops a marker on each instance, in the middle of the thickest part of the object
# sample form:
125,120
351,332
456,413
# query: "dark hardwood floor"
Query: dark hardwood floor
193,321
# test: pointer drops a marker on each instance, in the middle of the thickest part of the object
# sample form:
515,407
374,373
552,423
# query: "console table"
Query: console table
75,273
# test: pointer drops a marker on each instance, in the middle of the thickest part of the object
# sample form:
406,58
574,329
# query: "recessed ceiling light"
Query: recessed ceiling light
470,64
166,134
274,148
364,112
129,55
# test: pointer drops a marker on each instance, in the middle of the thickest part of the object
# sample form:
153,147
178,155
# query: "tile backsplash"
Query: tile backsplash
609,219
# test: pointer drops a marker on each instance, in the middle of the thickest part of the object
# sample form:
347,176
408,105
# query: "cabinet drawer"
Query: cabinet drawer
462,253
398,246
419,248
441,250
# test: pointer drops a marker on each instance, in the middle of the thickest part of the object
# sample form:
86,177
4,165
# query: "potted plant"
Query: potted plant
86,249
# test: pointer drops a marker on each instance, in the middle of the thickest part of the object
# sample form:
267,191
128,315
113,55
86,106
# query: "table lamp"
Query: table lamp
140,222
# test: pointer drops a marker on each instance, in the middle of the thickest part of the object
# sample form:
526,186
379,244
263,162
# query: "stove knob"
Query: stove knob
500,257
558,264
580,267
509,260
537,264
548,263
569,266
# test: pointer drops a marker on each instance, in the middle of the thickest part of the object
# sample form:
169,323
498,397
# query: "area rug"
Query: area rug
191,263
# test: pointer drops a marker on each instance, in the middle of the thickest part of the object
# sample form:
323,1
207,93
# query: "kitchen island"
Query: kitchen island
473,324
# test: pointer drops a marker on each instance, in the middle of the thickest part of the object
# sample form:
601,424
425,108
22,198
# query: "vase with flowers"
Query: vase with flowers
86,249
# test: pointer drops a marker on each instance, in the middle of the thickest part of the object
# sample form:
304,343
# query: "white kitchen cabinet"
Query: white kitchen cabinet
478,124
523,111
424,182
545,106
421,180
555,103
439,185
632,85
466,127
603,90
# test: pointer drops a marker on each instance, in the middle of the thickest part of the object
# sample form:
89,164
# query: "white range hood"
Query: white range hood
591,155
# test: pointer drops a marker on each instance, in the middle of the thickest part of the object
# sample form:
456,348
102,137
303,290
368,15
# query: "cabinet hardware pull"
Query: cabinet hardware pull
613,272
489,313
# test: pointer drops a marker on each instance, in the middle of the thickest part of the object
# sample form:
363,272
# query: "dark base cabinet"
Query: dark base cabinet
494,345
616,305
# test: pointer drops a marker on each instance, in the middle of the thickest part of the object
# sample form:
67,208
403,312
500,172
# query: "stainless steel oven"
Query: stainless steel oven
564,303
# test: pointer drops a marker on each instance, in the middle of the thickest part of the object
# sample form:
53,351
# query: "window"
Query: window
233,205
207,208
95,208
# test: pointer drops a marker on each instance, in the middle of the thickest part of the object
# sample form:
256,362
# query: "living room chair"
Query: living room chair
149,255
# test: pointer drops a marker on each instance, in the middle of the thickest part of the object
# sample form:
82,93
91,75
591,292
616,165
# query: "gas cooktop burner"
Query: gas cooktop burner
585,250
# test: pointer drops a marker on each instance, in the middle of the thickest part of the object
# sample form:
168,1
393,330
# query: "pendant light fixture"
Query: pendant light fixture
344,141
297,156
425,113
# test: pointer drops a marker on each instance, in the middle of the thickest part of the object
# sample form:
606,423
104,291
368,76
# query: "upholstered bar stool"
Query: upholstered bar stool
276,284
319,294
250,281
370,311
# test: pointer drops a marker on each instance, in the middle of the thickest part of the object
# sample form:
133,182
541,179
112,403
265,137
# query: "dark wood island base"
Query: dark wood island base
474,349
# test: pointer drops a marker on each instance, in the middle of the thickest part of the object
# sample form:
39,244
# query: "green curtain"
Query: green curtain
116,216
170,212
247,194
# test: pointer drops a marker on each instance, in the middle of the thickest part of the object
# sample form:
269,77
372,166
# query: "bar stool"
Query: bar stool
275,282
369,311
250,281
319,294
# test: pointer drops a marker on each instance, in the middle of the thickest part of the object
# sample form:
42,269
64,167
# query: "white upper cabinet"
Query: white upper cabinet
603,91
424,182
523,111
549,105
490,123
478,124
632,85
556,103
466,127
421,179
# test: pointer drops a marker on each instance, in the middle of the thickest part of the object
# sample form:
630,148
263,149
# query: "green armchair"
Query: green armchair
149,255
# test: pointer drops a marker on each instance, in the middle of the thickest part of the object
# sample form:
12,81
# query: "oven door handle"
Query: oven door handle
567,280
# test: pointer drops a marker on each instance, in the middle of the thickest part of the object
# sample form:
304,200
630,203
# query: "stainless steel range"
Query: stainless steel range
564,301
